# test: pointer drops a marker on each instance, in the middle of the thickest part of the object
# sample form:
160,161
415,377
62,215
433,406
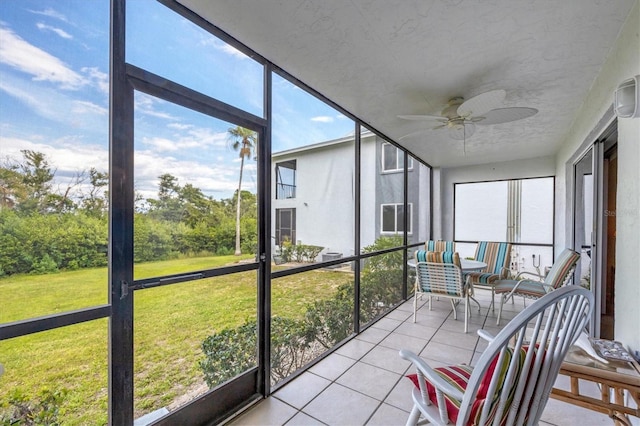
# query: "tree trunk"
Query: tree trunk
238,249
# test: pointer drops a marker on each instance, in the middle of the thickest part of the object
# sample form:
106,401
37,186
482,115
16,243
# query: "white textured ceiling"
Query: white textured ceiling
382,58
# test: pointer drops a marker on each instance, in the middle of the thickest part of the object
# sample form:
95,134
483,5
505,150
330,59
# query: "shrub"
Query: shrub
233,351
44,410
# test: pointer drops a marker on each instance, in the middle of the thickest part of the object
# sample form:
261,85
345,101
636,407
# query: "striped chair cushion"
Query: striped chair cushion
496,256
561,268
556,277
438,257
527,288
458,376
440,245
431,281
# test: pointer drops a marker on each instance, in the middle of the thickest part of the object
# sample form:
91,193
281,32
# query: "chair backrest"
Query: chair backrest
561,270
496,255
512,380
440,245
439,272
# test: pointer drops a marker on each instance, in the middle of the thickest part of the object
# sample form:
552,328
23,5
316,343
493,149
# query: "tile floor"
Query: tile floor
362,382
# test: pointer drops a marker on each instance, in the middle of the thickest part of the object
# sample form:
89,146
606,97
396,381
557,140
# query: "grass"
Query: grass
170,324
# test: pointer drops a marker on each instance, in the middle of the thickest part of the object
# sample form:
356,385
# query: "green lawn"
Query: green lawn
170,324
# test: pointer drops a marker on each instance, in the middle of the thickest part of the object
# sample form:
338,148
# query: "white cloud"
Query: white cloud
179,126
51,13
62,33
27,58
322,119
194,137
84,107
146,105
223,47
54,105
97,77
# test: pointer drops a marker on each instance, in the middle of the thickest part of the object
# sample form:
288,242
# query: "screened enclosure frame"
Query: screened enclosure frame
520,243
125,80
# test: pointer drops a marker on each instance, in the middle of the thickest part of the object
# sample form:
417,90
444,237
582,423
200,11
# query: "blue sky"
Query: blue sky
54,94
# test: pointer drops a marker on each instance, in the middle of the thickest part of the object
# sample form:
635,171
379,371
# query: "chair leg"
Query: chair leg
415,305
502,300
414,416
493,300
466,314
455,314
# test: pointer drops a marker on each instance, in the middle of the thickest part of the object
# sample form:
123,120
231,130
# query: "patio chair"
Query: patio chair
497,257
511,381
440,245
439,274
528,288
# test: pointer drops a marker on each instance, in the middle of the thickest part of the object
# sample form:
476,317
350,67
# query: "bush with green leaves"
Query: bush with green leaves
233,351
326,322
19,409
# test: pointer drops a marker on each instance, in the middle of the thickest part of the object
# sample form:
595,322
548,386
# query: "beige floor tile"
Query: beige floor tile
386,358
373,335
456,339
369,380
302,390
332,367
447,354
399,341
301,419
409,328
338,406
400,396
388,324
269,412
400,314
355,349
387,415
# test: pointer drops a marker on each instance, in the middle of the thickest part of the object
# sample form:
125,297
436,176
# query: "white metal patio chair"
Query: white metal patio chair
522,285
439,274
512,380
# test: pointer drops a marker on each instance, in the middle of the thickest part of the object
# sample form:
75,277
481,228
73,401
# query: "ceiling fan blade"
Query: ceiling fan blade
482,103
423,117
505,115
412,134
419,132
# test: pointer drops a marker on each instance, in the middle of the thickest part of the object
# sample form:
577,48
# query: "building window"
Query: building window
286,180
285,226
393,218
393,159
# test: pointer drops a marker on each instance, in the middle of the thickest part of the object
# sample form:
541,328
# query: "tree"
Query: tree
245,142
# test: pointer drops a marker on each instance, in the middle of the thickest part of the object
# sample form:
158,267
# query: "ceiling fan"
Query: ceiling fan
460,117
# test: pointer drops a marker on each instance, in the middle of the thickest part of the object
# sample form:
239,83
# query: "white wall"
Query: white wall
518,169
623,63
325,180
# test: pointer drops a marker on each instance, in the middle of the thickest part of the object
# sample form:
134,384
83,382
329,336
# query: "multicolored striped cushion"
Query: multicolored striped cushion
440,245
527,288
561,268
556,277
438,257
496,256
458,376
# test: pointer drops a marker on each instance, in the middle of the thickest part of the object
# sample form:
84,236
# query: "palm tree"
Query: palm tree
245,142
